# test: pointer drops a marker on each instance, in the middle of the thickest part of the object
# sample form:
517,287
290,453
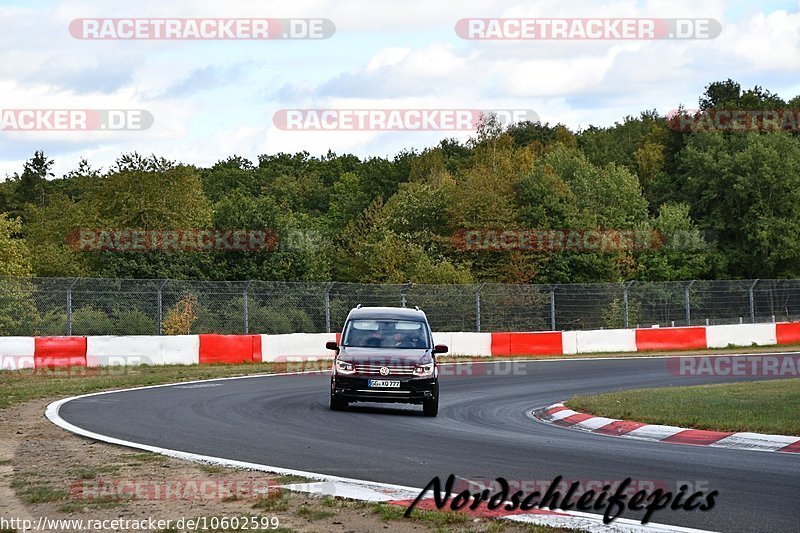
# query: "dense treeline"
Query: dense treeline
727,204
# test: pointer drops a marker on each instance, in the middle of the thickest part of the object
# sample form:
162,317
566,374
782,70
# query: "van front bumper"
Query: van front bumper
357,389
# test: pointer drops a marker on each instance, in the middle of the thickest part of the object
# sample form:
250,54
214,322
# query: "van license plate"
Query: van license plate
385,383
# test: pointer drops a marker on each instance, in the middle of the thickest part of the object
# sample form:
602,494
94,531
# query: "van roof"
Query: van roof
391,313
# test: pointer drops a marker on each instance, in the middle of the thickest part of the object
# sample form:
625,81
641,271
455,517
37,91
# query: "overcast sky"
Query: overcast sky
212,99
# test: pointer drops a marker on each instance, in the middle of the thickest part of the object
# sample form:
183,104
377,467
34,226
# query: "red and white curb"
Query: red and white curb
560,415
357,489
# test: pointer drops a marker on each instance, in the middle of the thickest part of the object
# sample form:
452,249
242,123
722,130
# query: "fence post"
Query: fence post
478,308
553,307
69,305
752,303
403,292
625,288
328,308
688,308
161,308
246,306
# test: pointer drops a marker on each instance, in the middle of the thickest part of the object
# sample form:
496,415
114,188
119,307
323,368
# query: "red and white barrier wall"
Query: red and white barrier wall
143,350
17,352
306,345
55,352
95,351
466,343
788,332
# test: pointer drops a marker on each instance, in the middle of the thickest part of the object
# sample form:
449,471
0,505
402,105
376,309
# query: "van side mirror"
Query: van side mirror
331,345
440,348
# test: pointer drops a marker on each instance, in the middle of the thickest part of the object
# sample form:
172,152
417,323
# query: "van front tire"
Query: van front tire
431,407
338,404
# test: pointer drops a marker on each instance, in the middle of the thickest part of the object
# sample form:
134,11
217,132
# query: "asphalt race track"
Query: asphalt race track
482,431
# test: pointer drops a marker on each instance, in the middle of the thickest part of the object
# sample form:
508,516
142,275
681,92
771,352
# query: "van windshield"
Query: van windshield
386,334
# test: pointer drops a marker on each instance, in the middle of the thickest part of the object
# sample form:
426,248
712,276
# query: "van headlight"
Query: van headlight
423,370
343,367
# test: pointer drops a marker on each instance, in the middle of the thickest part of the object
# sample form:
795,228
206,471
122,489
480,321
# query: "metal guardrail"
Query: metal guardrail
89,306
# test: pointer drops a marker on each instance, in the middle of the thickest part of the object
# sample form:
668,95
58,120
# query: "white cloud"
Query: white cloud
388,57
767,42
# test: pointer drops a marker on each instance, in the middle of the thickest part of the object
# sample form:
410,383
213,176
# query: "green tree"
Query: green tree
151,199
234,173
650,160
18,314
31,186
151,194
532,134
745,189
564,191
50,234
393,260
610,195
619,143
721,95
350,196
680,251
15,258
728,94
419,212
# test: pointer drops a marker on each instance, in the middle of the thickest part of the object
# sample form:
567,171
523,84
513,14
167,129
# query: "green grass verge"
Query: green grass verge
273,502
144,457
759,406
388,512
18,386
310,513
291,479
30,488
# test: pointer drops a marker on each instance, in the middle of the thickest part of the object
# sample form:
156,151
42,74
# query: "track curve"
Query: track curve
482,431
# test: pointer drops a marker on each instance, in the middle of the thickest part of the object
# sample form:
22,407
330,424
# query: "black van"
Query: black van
386,355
